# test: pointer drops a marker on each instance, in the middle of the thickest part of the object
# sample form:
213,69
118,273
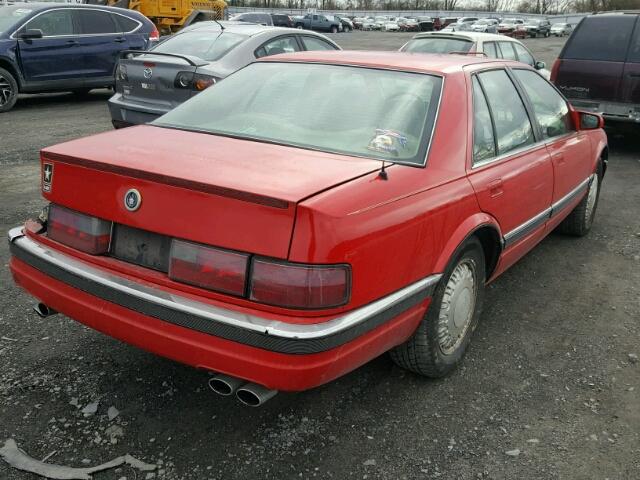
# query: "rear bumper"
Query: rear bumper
616,111
124,112
276,354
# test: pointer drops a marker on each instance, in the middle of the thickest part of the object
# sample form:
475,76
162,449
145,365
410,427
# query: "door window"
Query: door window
311,43
54,23
523,54
634,48
507,51
512,125
277,46
484,146
490,50
549,108
601,37
96,22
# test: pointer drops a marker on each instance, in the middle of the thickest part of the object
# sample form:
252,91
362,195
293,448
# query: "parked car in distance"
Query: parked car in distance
52,47
153,83
537,27
369,24
469,20
254,17
391,27
282,20
561,29
323,23
357,22
347,24
509,25
425,24
492,45
599,67
457,27
486,25
410,25
241,235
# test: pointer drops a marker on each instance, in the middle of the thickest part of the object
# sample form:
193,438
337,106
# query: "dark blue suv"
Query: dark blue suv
65,47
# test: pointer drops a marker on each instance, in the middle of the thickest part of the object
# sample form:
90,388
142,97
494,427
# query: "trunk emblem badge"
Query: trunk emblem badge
132,200
147,72
47,176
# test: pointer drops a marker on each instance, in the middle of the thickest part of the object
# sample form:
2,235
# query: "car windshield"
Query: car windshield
9,16
437,45
210,46
381,114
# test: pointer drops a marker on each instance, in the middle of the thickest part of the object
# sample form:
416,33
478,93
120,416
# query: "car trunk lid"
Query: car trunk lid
221,191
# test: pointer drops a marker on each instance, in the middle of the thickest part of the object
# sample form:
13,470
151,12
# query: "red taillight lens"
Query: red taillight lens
79,231
207,267
299,286
554,70
155,34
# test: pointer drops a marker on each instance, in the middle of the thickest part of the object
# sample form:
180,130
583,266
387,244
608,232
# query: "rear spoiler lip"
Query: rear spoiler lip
186,58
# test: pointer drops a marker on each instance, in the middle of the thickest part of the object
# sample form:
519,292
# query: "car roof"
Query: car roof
38,6
469,35
245,28
403,61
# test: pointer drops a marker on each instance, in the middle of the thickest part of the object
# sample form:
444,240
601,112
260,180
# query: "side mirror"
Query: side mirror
540,65
590,121
30,33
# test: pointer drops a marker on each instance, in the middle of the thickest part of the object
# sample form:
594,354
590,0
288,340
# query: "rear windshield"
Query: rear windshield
366,112
603,38
210,46
9,16
437,45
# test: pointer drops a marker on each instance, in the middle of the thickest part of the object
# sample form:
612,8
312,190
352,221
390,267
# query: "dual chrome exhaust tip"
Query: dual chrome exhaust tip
250,394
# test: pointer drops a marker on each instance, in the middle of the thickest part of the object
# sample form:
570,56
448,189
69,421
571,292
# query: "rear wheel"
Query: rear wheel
8,91
580,220
441,340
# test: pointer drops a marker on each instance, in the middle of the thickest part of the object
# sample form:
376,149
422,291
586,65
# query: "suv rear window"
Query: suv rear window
601,38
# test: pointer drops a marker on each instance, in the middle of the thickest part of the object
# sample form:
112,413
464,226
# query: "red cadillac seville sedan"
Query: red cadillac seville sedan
312,212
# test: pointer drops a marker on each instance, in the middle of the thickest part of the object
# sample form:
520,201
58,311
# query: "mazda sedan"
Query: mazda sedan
312,212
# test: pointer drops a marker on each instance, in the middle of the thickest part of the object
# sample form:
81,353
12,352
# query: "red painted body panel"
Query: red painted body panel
303,206
273,370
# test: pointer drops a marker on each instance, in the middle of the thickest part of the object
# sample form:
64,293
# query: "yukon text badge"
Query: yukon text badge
47,176
132,200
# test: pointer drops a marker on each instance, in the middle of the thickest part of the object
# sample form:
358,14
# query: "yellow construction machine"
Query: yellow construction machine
172,15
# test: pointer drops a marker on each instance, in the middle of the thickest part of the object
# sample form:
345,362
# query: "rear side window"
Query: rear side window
484,146
507,51
512,125
490,50
277,46
53,23
437,45
634,48
603,37
523,54
96,21
125,24
311,43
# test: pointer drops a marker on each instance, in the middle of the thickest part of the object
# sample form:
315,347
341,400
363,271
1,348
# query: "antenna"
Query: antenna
221,26
383,172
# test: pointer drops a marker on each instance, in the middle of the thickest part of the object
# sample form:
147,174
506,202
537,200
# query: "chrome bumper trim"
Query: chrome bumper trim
233,325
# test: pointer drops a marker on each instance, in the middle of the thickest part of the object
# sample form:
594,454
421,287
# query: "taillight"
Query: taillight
299,286
77,230
154,35
193,81
208,267
121,73
554,70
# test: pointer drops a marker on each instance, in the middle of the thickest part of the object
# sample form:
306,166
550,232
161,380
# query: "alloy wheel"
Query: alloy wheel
6,92
591,200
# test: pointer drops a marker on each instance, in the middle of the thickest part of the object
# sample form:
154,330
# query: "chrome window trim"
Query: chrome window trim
13,37
510,153
213,313
513,235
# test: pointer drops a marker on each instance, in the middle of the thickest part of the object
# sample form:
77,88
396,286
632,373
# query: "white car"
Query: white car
391,27
487,25
561,29
369,24
489,44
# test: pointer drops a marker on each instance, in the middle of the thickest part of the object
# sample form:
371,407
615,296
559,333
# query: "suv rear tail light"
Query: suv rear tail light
193,81
208,267
77,230
154,36
554,70
299,286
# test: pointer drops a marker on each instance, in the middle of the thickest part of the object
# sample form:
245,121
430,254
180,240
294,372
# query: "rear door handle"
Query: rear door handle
72,42
495,188
120,40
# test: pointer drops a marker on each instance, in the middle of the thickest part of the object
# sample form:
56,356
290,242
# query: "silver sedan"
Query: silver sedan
150,84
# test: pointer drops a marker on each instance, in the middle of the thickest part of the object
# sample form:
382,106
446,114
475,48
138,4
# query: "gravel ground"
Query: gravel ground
550,387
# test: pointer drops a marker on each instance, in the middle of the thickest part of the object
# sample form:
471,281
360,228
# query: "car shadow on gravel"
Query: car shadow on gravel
31,101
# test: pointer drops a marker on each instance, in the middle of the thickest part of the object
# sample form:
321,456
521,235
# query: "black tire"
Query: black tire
334,29
8,90
299,26
423,353
580,220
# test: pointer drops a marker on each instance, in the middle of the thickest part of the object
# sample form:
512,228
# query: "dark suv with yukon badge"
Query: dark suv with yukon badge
599,67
